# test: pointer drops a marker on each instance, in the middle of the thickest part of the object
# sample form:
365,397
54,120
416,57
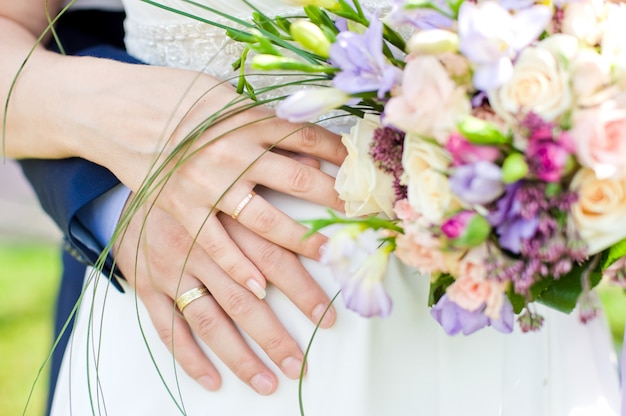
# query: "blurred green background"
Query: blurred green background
28,279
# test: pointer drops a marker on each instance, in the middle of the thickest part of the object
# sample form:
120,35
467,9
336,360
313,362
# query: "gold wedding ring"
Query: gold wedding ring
189,296
242,204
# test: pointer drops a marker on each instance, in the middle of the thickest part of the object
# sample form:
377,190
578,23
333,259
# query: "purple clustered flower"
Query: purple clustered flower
386,151
455,319
363,66
527,225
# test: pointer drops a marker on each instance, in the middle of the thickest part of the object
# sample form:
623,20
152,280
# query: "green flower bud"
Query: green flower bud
514,168
311,37
479,131
433,41
264,62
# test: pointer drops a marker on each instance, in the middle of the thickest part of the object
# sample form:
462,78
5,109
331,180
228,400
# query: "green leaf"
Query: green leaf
614,253
562,294
438,288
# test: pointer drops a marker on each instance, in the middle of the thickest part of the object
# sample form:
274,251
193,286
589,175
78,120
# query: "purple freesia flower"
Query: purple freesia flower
309,104
364,292
359,263
362,63
455,319
511,226
477,183
490,37
421,17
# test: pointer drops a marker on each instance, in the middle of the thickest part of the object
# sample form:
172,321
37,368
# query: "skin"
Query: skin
195,202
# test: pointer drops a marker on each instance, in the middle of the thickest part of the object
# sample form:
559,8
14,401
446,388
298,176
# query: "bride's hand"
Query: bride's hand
220,167
162,264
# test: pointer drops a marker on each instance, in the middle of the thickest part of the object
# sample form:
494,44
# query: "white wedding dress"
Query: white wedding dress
400,366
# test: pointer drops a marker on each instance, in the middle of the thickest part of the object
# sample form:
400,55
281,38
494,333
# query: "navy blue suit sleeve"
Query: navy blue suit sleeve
65,186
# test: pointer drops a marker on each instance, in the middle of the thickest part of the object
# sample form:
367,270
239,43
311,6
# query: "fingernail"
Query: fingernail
262,383
328,319
208,383
256,288
291,367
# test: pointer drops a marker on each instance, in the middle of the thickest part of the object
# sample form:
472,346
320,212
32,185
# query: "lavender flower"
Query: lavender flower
455,319
363,66
510,225
309,104
358,262
364,292
490,37
421,17
477,183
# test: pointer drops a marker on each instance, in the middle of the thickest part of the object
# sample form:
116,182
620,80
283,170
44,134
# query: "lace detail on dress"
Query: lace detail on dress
185,43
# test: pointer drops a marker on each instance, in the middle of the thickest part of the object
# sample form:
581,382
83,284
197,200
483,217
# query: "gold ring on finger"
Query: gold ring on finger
189,296
242,204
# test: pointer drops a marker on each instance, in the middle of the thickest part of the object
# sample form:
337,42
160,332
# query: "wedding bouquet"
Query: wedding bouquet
489,151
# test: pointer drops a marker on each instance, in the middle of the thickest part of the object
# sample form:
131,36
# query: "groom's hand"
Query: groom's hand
163,263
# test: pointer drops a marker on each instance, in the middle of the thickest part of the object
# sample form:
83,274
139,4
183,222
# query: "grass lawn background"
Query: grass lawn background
28,283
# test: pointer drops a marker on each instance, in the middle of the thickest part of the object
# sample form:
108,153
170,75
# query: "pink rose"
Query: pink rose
599,134
404,211
472,290
429,103
419,249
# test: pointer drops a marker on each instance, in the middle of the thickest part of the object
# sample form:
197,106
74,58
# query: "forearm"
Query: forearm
76,106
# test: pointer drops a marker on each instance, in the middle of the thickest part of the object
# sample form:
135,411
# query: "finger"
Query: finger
210,322
272,260
291,177
175,334
256,319
222,250
264,219
307,160
308,139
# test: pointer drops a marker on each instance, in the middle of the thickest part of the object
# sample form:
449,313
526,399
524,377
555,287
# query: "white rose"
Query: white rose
613,46
600,212
591,77
538,84
365,188
428,188
584,20
428,102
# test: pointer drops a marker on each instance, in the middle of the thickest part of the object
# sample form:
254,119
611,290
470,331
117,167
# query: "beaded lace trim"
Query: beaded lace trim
198,46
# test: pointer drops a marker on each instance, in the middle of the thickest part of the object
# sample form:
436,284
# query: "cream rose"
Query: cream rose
365,188
584,20
538,84
429,103
599,134
600,212
428,188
